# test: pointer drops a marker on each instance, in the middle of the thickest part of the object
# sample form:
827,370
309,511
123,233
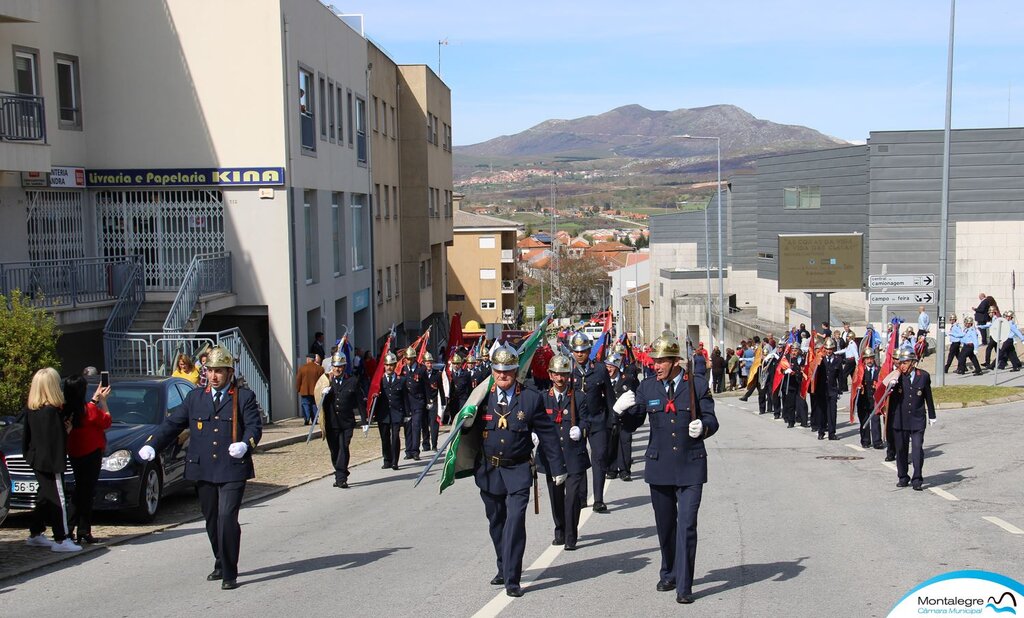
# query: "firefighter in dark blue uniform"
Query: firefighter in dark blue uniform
560,405
224,426
462,386
416,388
391,412
503,467
827,387
792,383
339,400
871,432
676,458
620,443
911,397
594,390
430,423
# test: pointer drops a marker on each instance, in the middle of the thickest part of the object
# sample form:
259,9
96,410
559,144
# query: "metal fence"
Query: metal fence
132,295
22,117
54,284
208,273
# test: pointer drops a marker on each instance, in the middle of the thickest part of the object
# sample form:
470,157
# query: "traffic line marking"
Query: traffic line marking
1003,524
944,494
855,447
890,465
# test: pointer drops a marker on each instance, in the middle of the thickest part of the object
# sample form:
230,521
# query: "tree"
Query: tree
581,287
28,342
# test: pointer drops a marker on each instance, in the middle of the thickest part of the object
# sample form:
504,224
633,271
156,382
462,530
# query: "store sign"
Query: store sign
67,177
33,179
361,300
186,177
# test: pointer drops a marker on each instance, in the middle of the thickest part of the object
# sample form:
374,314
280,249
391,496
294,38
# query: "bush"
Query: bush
28,342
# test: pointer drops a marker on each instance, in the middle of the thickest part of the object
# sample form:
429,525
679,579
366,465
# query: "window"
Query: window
448,203
330,113
309,224
376,199
398,285
69,93
394,199
360,130
802,198
387,201
387,283
26,72
376,115
488,303
380,287
384,118
430,125
448,137
433,128
306,111
351,111
338,230
761,255
323,108
425,274
394,123
358,242
488,273
487,242
339,108
431,204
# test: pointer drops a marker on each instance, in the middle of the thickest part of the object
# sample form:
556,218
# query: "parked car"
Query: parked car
137,406
5,489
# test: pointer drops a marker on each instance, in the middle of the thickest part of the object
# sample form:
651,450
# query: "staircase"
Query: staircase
151,316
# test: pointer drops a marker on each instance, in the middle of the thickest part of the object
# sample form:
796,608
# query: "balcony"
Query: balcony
19,11
23,145
510,286
508,256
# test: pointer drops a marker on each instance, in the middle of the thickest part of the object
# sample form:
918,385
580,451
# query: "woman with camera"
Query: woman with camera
86,443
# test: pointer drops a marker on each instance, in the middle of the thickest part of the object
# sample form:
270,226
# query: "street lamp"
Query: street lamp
721,281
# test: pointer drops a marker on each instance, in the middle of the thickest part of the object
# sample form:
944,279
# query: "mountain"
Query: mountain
635,132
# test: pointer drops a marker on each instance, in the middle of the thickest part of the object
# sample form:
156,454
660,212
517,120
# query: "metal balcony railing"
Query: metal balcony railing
508,286
54,284
22,118
207,274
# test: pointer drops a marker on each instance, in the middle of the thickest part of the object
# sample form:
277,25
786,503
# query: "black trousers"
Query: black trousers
435,427
915,441
339,442
413,427
764,404
390,442
621,451
817,411
51,507
1008,353
992,346
864,408
954,353
220,503
789,406
599,461
87,472
566,506
425,423
801,411
675,516
830,413
506,519
967,353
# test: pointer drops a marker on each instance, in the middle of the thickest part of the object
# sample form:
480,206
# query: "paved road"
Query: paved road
782,532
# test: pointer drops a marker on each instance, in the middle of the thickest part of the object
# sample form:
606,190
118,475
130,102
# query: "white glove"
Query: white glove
788,371
931,422
326,390
575,433
560,479
536,439
147,453
696,427
237,449
366,428
625,401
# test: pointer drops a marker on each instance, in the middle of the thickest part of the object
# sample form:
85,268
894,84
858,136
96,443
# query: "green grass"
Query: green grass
972,393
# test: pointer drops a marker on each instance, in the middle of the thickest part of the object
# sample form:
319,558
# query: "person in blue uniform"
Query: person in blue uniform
911,398
508,415
792,382
620,443
431,425
462,386
956,337
339,400
871,432
416,388
225,425
1007,350
827,387
676,459
560,405
594,390
391,413
972,338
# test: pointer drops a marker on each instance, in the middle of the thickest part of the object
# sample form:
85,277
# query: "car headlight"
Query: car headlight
117,460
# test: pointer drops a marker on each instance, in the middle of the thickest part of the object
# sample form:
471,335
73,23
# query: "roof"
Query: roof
463,220
579,242
610,247
531,243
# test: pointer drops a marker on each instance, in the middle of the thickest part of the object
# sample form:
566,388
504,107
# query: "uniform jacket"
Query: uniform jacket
866,397
793,381
415,377
577,460
909,400
830,372
341,403
434,387
673,457
620,384
525,414
594,390
391,402
207,458
462,385
956,333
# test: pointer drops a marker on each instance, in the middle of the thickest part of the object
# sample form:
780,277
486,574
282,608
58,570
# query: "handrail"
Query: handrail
22,117
69,282
207,273
132,295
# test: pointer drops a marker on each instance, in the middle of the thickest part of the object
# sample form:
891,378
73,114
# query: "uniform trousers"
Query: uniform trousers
675,516
801,411
967,353
412,434
390,442
599,460
427,419
954,352
623,452
789,406
1007,352
219,503
434,428
565,506
830,409
864,410
915,441
339,441
506,519
51,507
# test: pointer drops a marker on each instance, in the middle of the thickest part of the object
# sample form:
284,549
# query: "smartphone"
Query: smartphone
104,379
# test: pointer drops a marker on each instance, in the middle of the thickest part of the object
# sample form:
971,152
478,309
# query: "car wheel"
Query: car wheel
150,492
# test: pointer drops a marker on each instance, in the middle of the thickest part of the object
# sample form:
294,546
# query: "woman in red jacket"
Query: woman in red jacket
86,443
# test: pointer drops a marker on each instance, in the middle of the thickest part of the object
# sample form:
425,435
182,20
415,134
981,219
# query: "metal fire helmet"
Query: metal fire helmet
830,343
484,354
614,360
219,357
338,360
559,364
867,353
410,353
457,359
505,358
390,359
580,342
428,357
620,348
906,354
665,346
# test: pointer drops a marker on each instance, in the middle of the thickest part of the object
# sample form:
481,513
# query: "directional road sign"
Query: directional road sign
920,297
881,282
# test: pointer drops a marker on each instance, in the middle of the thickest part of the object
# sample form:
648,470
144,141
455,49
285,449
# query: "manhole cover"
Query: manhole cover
840,457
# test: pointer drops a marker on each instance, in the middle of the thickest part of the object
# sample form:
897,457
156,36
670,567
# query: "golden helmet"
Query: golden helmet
614,360
338,360
471,359
390,359
457,359
1008,315
830,343
484,354
218,356
906,354
410,353
968,320
559,364
428,357
867,353
620,348
665,346
505,358
580,342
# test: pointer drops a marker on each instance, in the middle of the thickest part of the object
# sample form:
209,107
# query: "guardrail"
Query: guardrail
22,117
206,274
53,284
132,295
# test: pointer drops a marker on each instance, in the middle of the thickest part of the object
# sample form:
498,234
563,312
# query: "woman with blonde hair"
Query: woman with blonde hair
44,444
185,369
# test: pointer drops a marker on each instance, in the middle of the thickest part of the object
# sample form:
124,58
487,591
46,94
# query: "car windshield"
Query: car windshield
135,405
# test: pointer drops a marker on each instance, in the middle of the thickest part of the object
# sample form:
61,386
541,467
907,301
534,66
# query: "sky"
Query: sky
842,67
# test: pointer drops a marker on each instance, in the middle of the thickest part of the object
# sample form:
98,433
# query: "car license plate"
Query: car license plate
25,487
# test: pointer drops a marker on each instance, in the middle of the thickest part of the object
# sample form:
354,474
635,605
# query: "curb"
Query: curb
954,405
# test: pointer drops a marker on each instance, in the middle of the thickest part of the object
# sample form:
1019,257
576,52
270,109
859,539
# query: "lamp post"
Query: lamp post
721,280
940,334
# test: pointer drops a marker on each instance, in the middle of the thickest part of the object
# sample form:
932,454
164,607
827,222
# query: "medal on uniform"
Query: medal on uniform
502,423
918,393
521,415
199,425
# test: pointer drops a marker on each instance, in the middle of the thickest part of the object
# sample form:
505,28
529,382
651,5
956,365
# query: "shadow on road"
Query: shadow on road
746,574
611,536
302,567
627,503
624,563
386,479
947,477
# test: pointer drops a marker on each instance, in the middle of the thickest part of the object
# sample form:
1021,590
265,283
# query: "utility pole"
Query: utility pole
940,335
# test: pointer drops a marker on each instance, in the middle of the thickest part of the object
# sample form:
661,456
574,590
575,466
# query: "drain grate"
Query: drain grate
840,457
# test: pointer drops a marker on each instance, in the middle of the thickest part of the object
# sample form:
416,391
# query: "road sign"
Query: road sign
549,308
531,311
879,282
920,297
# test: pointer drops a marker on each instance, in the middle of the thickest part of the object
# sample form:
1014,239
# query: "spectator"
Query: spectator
44,444
90,371
539,367
732,367
203,378
852,353
317,347
185,369
86,443
981,314
872,340
305,386
718,369
804,332
847,334
825,330
357,362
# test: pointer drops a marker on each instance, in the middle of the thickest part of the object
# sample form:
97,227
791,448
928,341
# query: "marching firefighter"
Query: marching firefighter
339,400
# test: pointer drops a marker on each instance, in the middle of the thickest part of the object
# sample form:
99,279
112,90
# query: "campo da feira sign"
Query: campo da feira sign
186,177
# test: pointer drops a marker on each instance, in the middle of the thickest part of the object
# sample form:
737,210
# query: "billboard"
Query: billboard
821,262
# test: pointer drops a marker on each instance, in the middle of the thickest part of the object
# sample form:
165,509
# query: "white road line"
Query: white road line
1004,525
890,465
546,559
855,447
942,493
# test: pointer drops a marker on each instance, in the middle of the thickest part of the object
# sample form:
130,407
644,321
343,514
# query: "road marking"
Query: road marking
942,493
890,465
1004,525
855,447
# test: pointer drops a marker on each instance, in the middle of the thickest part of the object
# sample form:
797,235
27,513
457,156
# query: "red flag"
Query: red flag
454,334
858,379
780,373
378,374
813,360
887,364
403,361
423,346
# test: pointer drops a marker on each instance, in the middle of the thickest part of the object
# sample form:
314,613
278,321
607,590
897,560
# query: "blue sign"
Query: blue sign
186,177
361,300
